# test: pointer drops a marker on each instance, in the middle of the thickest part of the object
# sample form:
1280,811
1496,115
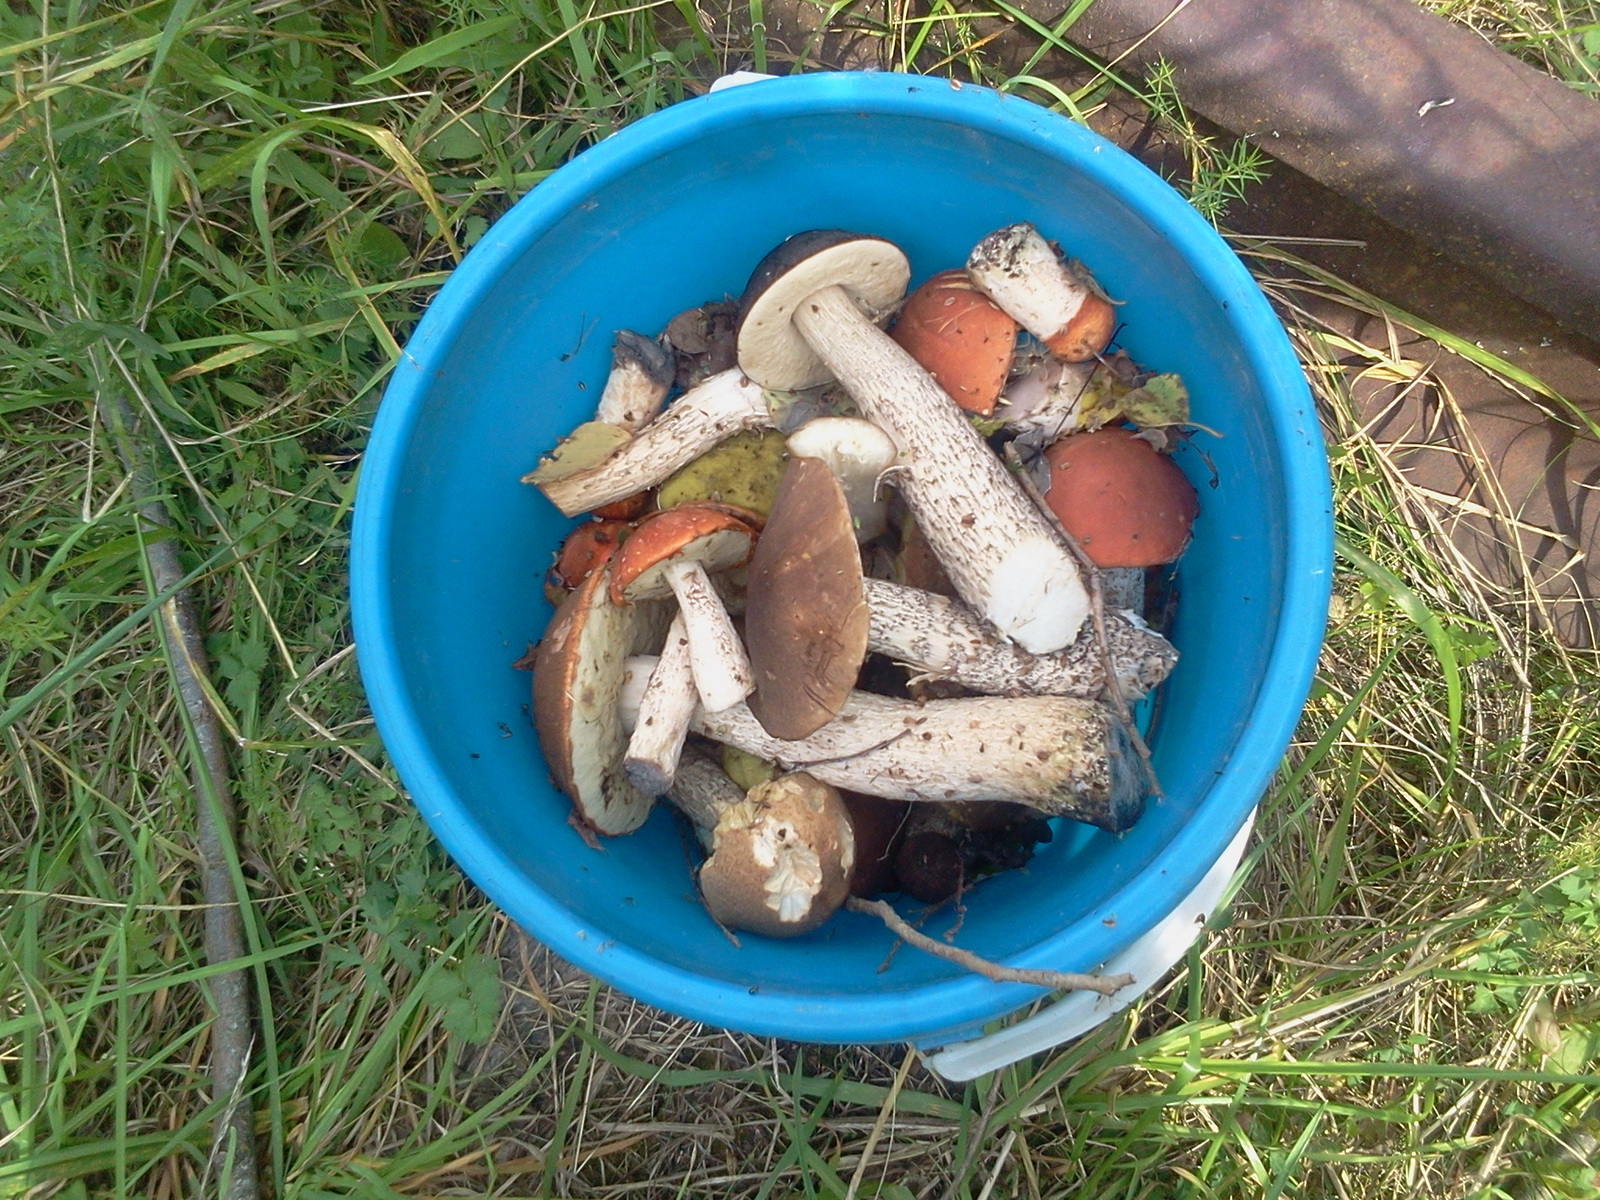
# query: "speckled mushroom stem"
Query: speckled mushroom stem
702,791
1002,557
666,706
943,639
641,376
1062,755
696,421
717,657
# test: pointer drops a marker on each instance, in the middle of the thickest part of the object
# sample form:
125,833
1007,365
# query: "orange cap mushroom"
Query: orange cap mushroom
960,337
1126,503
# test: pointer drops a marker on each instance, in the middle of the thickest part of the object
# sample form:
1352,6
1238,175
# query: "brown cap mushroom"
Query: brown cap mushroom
577,681
960,337
774,353
782,859
805,610
1126,503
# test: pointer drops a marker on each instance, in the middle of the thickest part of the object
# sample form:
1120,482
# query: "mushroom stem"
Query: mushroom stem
666,707
720,407
1021,272
702,791
1061,755
717,657
944,639
1000,554
641,376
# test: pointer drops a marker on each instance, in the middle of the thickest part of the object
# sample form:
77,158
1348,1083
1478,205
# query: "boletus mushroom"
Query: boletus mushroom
782,855
1126,503
802,322
960,337
725,404
1022,273
1062,755
578,675
673,553
805,615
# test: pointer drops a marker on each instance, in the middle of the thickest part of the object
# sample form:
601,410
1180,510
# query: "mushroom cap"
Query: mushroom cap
960,337
1087,333
1126,503
782,858
806,613
578,674
588,548
717,536
771,350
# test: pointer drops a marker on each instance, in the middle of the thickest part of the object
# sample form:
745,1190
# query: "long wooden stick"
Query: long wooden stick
233,1142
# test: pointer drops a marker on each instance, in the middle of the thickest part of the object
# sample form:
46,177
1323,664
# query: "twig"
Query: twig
1097,613
233,1139
1066,981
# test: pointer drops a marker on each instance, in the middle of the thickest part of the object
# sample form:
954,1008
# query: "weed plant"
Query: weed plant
229,217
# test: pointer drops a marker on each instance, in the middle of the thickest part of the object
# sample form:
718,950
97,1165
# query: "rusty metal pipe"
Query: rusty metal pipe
1480,155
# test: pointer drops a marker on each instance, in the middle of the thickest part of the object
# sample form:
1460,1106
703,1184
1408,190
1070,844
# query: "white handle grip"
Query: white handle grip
1147,960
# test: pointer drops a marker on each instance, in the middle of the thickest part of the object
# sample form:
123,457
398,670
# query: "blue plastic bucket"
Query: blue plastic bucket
449,548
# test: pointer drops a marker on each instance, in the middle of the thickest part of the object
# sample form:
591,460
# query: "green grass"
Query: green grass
1400,999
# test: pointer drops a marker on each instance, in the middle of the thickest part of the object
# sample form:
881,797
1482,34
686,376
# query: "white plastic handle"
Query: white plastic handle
1147,960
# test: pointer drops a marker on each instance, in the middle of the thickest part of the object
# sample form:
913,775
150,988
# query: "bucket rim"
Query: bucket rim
963,1001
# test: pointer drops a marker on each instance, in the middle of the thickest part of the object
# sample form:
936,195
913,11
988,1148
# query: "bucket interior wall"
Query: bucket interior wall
465,545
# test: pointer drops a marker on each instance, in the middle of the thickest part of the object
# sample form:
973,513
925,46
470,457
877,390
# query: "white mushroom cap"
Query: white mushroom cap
858,452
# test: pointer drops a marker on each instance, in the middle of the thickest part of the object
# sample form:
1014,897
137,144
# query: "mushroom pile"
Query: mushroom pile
866,599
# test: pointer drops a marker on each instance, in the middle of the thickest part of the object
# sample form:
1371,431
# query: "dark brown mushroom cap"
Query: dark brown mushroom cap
879,826
1126,503
771,350
806,613
782,859
718,536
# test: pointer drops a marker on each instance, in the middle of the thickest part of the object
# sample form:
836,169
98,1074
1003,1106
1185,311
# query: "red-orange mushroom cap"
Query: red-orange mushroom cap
718,536
960,337
1126,503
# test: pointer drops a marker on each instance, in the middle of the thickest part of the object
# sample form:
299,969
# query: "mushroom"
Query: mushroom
943,639
578,675
960,337
858,453
1062,755
805,617
722,406
666,706
1022,273
782,855
641,376
672,553
800,320
586,549
1126,503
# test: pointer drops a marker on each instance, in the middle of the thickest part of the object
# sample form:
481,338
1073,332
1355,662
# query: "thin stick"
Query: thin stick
1065,981
233,1141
